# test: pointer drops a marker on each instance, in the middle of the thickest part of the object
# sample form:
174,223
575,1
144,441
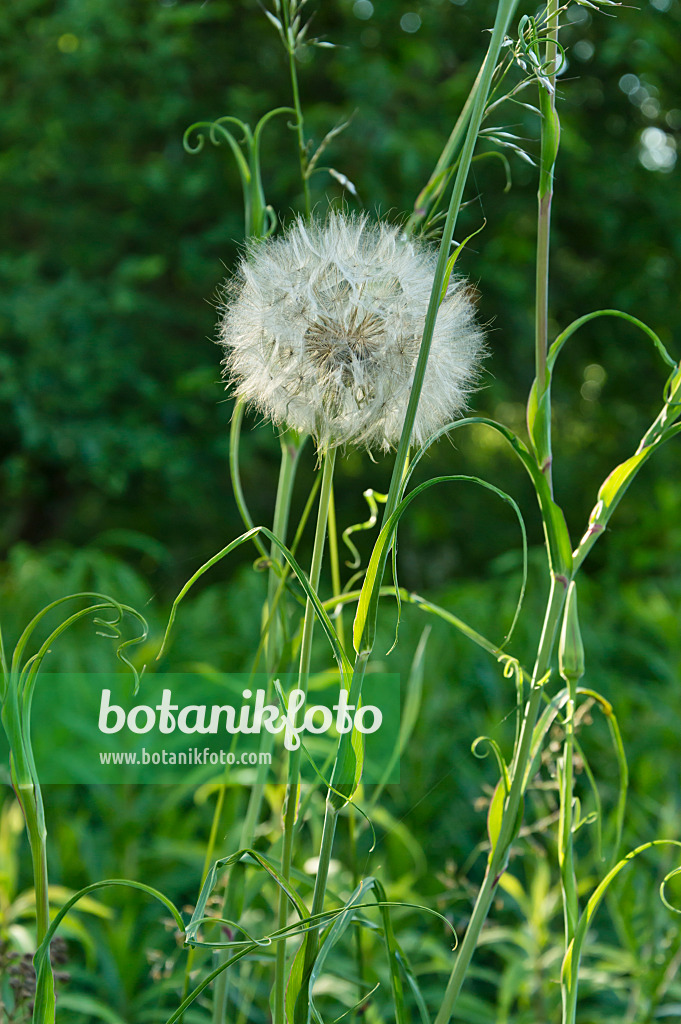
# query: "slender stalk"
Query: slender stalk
571,663
210,849
437,182
550,140
335,567
504,13
510,822
291,447
565,852
31,803
328,835
359,950
300,124
291,802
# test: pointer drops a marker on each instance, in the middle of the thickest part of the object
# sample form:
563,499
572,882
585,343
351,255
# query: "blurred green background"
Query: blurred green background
114,423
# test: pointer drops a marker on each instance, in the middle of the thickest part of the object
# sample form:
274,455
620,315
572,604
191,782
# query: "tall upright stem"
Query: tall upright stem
504,14
291,447
300,124
328,835
510,821
291,802
32,805
550,140
437,182
335,567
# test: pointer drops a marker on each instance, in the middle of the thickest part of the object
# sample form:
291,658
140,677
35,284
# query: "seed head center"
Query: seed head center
338,343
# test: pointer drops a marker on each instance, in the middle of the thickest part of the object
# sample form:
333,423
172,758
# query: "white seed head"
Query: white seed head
322,328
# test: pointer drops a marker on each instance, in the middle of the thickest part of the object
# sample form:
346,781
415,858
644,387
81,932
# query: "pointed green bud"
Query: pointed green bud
571,650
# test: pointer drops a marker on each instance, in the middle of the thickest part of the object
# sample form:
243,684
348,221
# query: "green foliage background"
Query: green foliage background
114,424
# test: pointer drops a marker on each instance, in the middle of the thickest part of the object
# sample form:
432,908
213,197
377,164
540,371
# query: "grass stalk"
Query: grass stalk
328,835
31,803
565,822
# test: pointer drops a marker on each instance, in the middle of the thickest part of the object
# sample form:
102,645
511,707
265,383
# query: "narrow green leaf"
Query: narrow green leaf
558,344
495,816
453,258
571,961
328,627
410,710
365,618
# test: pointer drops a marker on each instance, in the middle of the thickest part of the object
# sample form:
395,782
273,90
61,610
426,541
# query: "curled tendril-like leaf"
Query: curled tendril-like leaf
216,129
372,499
212,127
512,668
663,885
271,220
200,139
527,54
496,750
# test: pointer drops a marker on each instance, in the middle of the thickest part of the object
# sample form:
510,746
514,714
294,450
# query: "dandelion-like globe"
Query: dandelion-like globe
322,328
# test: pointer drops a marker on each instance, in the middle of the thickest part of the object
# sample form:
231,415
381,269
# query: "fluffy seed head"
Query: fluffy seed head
322,326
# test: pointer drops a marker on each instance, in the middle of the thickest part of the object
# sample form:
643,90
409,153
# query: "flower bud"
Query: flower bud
571,649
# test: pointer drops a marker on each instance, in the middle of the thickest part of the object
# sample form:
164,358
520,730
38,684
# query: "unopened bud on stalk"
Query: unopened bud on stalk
571,650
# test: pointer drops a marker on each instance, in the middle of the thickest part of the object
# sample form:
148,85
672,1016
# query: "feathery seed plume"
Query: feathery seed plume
322,326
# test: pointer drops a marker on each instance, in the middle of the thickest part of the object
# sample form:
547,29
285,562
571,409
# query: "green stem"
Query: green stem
504,13
437,182
300,124
291,802
511,819
565,852
30,799
291,446
210,849
290,449
335,567
550,140
328,834
354,866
